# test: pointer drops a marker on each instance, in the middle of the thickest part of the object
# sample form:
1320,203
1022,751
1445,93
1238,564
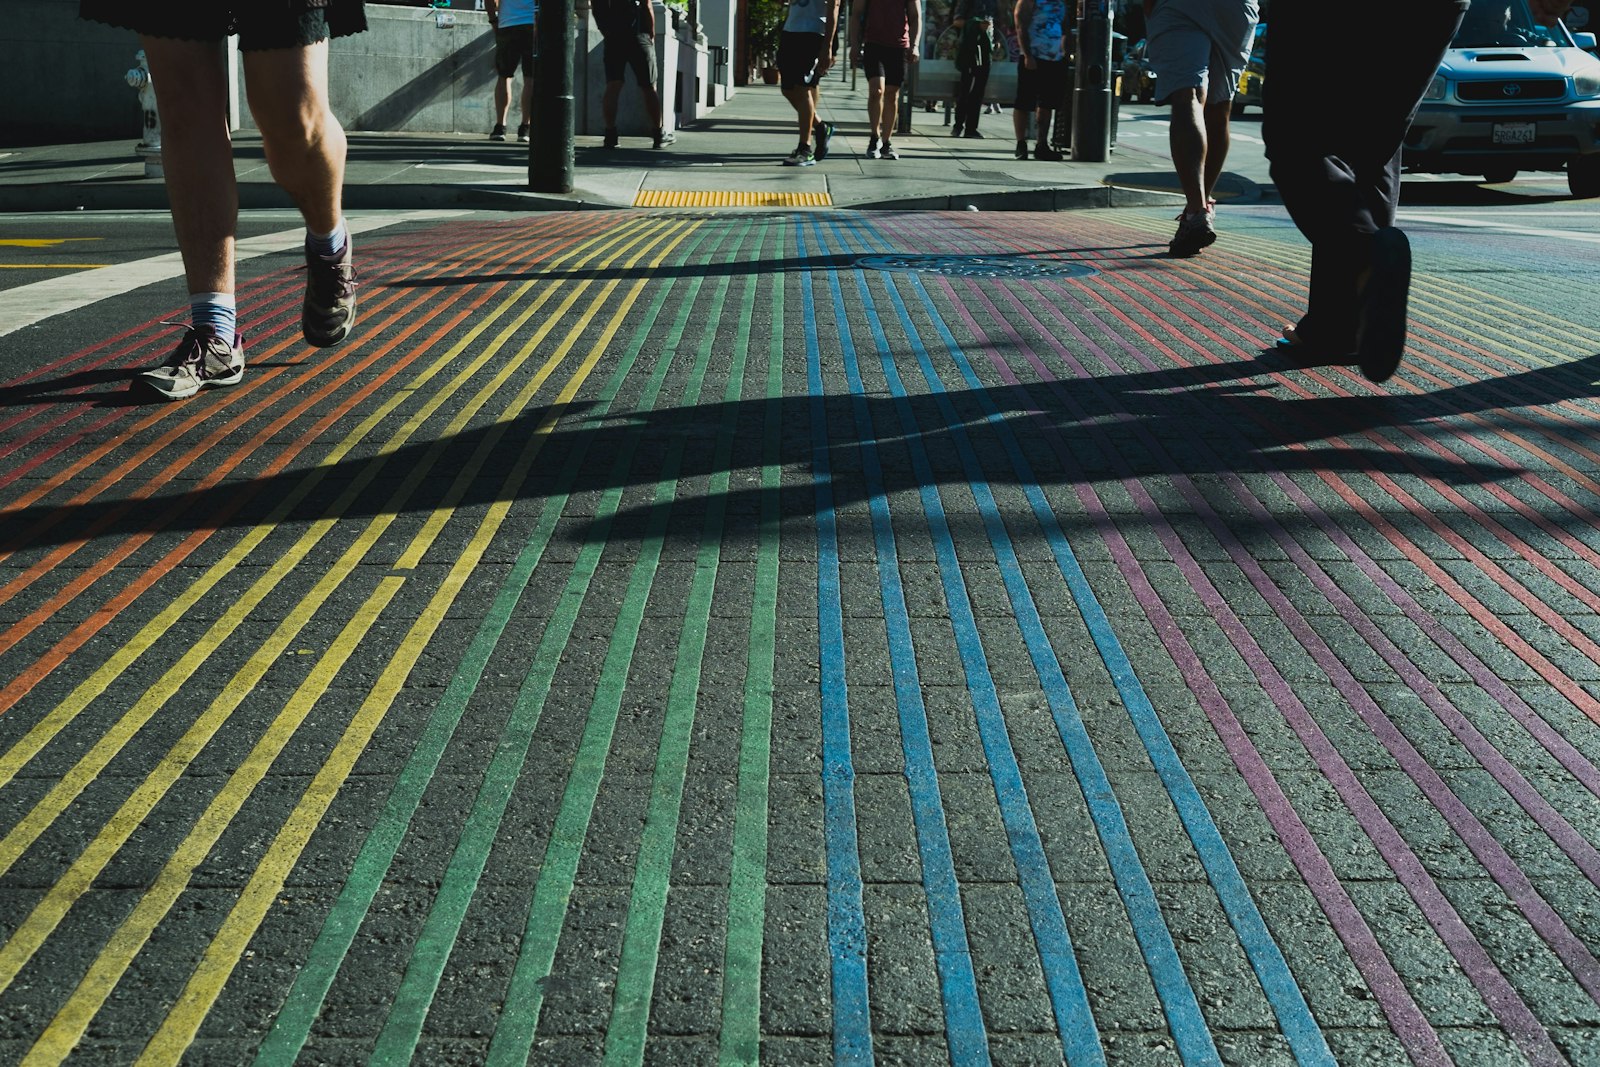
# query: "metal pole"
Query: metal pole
1091,97
550,159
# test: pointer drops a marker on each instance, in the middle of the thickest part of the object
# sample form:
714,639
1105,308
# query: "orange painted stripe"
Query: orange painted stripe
35,672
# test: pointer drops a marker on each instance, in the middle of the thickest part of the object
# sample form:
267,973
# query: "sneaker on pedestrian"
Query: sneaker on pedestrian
664,138
1022,149
201,360
888,152
611,139
821,134
800,157
955,130
523,131
330,306
498,133
1196,230
1046,153
872,147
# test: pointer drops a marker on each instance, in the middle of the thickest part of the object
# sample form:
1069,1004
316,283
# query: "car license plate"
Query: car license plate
1514,132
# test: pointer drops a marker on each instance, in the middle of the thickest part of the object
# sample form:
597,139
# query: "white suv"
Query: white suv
1511,95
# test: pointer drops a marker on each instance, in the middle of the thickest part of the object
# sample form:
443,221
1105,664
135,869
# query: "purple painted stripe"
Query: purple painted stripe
1503,999
1416,1035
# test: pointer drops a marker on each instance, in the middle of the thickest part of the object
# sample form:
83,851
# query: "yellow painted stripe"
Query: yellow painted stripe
72,783
52,266
28,937
730,198
65,1030
74,1017
41,242
222,955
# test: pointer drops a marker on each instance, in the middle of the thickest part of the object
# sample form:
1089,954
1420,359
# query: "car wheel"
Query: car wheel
1583,176
1500,175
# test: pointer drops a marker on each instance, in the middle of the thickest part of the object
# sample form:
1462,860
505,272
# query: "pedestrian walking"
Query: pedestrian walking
628,29
514,41
974,59
1335,159
1198,49
285,53
886,36
805,52
1041,72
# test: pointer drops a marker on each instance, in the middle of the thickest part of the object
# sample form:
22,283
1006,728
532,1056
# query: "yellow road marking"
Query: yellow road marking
177,1032
28,937
52,266
67,1028
678,198
41,242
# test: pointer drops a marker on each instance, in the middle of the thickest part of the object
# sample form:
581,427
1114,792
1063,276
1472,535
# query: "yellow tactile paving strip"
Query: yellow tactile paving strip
728,198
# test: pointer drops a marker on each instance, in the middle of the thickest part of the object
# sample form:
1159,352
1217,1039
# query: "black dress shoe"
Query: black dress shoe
1381,330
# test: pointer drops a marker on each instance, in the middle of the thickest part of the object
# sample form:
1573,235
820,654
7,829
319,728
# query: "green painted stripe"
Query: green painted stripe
641,944
740,1040
293,1024
402,1029
513,1038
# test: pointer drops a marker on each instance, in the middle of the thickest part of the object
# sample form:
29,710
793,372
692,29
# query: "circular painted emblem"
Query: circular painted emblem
1512,89
979,266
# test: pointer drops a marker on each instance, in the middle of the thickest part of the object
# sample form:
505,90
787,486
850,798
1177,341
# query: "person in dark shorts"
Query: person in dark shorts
805,52
515,43
629,30
885,30
1041,72
284,46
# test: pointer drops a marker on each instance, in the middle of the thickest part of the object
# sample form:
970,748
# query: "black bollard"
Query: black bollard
1091,96
550,161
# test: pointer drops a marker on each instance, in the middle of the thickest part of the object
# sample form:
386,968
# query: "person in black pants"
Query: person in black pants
1334,147
974,55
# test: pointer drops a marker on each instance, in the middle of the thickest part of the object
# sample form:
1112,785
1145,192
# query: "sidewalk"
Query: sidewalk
737,149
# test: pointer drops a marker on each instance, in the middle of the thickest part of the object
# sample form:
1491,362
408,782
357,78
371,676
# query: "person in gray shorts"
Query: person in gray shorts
1198,49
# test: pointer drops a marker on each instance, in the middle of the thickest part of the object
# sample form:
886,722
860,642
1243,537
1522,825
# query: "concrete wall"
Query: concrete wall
408,73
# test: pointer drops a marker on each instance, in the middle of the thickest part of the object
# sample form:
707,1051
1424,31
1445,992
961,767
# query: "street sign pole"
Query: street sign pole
550,159
1091,97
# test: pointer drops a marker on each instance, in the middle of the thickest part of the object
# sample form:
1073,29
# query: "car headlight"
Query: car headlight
1437,88
1587,83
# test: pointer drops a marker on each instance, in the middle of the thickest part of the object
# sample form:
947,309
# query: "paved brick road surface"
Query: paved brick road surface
913,638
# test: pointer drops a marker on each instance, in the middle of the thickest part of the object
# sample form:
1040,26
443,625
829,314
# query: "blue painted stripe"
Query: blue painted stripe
847,927
1283,992
1069,999
964,1027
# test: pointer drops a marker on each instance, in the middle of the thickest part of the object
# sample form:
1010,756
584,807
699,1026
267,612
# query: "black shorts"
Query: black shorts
637,52
886,61
798,56
260,26
513,47
1043,87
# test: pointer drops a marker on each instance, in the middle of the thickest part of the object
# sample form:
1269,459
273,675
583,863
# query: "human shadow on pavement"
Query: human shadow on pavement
1192,422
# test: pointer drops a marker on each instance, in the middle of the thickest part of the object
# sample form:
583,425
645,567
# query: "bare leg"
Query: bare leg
305,145
1188,140
1045,115
608,103
890,111
502,100
804,101
527,100
198,155
875,104
652,105
1218,139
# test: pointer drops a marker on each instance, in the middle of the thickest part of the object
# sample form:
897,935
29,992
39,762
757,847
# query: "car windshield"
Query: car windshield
1503,24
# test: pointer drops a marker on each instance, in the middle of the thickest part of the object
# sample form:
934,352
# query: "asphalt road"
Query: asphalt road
823,638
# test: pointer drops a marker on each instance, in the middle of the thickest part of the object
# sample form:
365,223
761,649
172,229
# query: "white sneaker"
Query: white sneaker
201,360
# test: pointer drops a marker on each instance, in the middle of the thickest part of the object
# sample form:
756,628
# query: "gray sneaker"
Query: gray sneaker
1196,230
800,157
201,360
330,307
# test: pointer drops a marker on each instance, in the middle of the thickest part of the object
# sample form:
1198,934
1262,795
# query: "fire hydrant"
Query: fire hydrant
149,146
